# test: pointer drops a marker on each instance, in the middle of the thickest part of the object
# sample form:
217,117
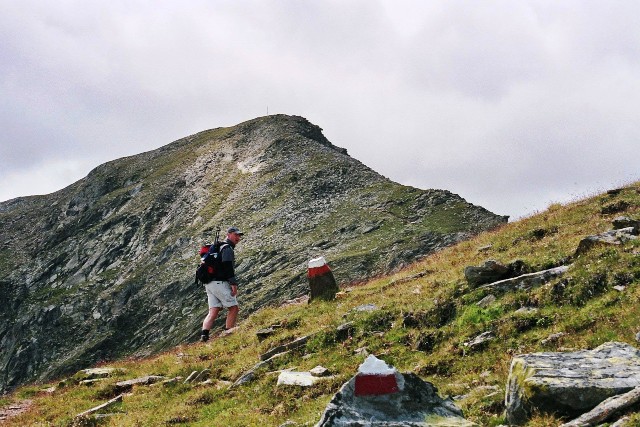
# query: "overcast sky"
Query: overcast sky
513,105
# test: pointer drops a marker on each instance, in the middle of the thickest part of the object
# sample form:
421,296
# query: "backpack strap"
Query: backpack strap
222,246
217,247
214,256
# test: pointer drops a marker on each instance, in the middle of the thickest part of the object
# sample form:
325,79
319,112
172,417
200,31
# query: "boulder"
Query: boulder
616,207
480,341
607,409
526,311
622,422
302,379
297,343
527,281
198,376
108,404
265,333
191,377
405,401
320,371
344,331
366,307
92,381
124,386
569,384
251,374
89,374
612,237
626,222
486,301
248,376
552,338
490,271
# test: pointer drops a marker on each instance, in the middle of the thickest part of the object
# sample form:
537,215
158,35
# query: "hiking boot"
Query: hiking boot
204,336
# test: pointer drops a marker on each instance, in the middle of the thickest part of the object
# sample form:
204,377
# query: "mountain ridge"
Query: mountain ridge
431,319
104,267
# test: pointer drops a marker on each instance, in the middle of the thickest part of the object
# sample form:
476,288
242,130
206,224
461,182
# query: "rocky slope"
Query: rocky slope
104,268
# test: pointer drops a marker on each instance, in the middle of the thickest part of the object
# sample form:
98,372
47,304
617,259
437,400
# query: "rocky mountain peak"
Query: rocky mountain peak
104,267
281,126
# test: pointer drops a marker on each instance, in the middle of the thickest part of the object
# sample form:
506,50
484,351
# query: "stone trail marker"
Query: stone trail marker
375,377
379,395
321,281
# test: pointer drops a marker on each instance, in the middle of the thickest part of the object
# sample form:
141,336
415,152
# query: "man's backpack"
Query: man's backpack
210,259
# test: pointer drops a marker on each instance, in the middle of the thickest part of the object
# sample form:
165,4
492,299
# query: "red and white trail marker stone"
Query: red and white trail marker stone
375,378
321,281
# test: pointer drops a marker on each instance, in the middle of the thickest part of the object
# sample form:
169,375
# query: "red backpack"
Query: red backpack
209,261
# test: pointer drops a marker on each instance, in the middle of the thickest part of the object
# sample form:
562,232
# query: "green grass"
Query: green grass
425,313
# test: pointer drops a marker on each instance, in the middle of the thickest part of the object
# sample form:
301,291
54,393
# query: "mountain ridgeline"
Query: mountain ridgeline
105,267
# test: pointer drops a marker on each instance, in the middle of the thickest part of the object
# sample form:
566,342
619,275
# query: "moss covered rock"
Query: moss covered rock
570,383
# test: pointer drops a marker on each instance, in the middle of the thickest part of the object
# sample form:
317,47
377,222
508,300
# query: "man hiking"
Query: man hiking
222,290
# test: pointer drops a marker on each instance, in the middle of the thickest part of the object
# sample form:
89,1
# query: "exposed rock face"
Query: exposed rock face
127,385
302,379
104,268
607,410
626,222
569,384
528,281
490,271
493,271
612,237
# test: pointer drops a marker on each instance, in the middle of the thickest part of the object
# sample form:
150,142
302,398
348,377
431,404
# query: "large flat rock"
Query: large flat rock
571,383
527,281
302,379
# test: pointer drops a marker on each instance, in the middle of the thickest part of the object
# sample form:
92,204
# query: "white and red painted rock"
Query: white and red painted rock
375,378
415,403
318,266
321,281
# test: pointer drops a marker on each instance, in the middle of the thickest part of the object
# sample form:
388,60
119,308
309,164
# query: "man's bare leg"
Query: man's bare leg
208,322
232,316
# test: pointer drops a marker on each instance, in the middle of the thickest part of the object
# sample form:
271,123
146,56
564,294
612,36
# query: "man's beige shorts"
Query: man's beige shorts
219,295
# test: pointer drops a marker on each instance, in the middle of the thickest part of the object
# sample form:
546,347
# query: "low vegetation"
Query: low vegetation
422,320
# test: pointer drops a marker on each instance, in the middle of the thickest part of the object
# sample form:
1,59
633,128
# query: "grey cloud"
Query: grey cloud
510,104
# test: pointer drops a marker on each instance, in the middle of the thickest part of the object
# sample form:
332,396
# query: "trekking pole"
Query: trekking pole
217,236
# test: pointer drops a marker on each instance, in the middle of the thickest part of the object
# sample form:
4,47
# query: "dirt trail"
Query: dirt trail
14,409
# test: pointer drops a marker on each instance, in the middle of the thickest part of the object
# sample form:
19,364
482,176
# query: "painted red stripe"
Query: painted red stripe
317,271
374,385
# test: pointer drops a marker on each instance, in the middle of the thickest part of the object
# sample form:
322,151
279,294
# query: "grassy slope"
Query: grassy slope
426,313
